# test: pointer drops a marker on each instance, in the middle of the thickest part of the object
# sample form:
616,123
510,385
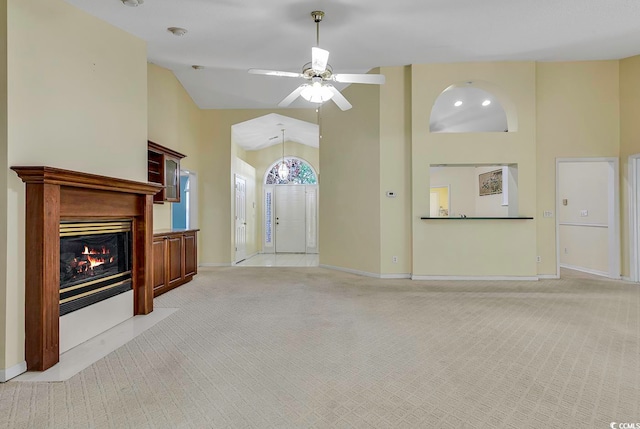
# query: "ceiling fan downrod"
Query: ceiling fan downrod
317,16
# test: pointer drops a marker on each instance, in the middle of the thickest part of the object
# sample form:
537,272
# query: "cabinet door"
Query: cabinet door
190,254
171,179
174,248
159,256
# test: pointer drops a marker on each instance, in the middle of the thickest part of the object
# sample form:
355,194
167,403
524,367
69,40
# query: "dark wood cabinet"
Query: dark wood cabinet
175,259
164,168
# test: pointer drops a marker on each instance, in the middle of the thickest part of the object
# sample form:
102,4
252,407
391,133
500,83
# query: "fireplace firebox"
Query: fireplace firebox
95,262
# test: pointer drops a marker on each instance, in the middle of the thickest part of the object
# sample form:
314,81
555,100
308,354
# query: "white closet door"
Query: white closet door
241,219
290,219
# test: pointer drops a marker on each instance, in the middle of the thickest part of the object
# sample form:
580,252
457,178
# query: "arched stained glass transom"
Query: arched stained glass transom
300,173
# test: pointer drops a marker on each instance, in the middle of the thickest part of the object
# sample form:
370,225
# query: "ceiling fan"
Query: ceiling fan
319,75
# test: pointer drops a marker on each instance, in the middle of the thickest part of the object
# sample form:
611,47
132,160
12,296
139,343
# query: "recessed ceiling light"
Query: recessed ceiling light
458,103
132,3
485,103
177,31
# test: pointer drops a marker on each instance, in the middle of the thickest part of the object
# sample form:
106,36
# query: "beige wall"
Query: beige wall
263,159
578,115
214,180
455,247
629,142
350,183
174,121
461,181
75,102
395,170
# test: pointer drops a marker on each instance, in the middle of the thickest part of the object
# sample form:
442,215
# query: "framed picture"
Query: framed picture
491,182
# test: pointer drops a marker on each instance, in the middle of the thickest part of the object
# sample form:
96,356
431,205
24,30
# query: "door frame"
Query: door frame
236,259
269,198
613,206
633,189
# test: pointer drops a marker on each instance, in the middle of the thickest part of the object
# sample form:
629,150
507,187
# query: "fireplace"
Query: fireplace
65,212
95,262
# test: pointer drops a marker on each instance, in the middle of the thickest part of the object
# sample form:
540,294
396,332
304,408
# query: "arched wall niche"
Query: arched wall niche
473,106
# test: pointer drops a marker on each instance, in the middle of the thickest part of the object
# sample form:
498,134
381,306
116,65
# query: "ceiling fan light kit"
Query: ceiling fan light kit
319,72
316,92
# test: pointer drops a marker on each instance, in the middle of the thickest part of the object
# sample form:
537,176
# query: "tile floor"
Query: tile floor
282,260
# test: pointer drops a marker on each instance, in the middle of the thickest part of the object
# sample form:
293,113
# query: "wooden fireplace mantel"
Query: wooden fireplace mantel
52,195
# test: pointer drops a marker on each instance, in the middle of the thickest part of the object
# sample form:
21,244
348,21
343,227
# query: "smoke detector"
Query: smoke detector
177,31
132,3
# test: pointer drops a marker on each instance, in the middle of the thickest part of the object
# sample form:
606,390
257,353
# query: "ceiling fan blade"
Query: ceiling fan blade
319,59
339,99
291,97
376,79
275,73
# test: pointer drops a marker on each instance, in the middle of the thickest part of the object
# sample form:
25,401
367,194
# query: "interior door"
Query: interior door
241,219
290,219
434,204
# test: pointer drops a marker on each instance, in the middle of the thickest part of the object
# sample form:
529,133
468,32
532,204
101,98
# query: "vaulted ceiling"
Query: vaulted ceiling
228,37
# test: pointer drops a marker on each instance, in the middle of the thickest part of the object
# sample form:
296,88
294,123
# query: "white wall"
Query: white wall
464,195
489,205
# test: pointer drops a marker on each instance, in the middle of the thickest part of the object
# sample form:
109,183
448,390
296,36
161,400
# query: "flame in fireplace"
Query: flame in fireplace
95,261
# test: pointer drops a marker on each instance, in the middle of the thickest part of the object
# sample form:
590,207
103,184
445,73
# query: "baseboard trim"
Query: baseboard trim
586,270
366,273
396,276
463,278
548,276
214,264
349,270
14,371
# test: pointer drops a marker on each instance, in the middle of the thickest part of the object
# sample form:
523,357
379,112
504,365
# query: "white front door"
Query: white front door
241,219
290,219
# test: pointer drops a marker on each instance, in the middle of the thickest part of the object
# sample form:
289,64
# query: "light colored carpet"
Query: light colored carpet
309,347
